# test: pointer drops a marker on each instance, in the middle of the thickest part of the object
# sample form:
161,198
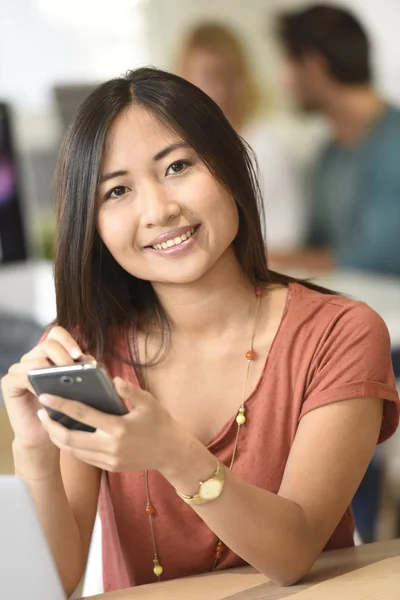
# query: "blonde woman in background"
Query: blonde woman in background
213,58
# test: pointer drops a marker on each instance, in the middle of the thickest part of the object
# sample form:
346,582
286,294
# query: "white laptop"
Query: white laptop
27,570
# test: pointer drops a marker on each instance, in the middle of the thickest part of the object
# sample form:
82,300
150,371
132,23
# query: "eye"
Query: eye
177,167
116,192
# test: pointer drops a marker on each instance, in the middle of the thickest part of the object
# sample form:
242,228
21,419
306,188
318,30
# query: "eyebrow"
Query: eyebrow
163,153
112,175
159,156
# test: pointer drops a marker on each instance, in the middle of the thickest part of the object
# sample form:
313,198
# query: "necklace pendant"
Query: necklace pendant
241,416
158,569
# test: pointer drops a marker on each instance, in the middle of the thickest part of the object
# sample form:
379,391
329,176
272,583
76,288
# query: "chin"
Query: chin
180,277
178,270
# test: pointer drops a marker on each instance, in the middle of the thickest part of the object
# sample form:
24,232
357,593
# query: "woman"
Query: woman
213,58
161,273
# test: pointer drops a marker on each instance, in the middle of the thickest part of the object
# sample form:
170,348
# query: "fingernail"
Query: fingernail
46,399
76,353
41,414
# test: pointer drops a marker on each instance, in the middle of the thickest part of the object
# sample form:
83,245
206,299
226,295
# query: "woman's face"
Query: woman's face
162,215
214,72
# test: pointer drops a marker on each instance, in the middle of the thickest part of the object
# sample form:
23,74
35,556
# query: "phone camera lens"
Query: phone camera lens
66,380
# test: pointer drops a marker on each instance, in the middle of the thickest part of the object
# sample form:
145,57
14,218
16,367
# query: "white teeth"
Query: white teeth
175,241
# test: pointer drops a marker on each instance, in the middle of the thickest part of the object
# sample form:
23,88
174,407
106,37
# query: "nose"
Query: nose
156,206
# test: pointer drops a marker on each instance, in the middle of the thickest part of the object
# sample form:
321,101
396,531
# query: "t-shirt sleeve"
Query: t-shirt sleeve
353,360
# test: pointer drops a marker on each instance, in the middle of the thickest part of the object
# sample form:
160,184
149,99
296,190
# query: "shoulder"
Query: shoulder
324,158
347,354
332,314
393,117
386,141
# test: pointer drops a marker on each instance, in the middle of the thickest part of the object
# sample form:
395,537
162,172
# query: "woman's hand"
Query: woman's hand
59,348
145,438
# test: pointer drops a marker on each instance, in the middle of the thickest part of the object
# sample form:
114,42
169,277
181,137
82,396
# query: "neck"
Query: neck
209,306
352,111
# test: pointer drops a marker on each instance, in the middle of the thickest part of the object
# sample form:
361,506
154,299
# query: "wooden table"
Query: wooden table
369,572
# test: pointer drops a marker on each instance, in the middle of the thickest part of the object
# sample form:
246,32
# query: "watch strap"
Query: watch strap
197,499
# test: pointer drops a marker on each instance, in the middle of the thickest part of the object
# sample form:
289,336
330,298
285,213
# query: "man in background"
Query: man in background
355,218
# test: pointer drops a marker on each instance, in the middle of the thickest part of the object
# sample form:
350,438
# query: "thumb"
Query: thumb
127,391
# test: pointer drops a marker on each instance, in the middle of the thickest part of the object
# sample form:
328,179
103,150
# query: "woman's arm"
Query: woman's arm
282,535
279,534
66,503
64,490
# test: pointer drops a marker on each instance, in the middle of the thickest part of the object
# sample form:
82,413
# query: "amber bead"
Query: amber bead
259,291
150,510
220,548
250,355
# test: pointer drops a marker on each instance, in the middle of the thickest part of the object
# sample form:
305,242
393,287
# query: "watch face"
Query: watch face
211,489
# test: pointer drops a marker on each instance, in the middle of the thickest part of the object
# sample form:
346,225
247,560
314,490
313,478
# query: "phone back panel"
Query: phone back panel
84,383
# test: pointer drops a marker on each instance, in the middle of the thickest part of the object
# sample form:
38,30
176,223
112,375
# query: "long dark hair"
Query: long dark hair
94,293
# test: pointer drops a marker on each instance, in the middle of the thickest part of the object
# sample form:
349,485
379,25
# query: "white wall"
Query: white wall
251,19
255,20
44,42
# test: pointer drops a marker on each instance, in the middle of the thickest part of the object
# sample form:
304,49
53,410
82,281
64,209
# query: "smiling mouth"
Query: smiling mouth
176,241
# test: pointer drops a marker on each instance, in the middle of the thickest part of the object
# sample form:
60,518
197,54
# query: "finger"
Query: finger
16,385
77,443
66,340
85,414
74,439
130,393
17,377
28,365
51,349
33,363
86,358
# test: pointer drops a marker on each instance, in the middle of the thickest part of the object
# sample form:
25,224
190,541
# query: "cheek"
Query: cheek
106,228
115,230
291,79
232,221
226,218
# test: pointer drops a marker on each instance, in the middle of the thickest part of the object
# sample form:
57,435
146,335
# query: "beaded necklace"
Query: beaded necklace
240,421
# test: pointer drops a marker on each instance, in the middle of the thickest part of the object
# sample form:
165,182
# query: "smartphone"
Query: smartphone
88,383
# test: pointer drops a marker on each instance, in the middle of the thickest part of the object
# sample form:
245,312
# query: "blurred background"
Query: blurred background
52,54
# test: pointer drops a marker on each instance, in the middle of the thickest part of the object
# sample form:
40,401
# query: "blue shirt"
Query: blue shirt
357,199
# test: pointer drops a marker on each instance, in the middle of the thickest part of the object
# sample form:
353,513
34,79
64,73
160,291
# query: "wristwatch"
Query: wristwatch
208,490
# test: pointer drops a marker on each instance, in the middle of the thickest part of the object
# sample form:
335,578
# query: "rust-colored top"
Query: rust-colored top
327,349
